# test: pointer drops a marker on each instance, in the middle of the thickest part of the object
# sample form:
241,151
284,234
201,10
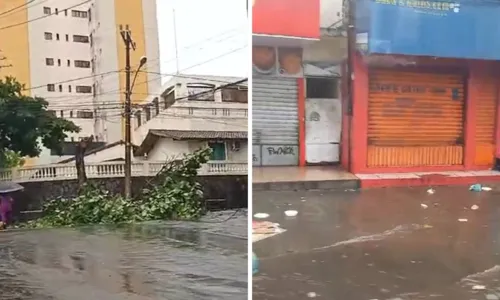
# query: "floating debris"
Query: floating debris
261,216
431,191
424,205
463,220
311,295
474,207
486,189
478,287
478,188
291,213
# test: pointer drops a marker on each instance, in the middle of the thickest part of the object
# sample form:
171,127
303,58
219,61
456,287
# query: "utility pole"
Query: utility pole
351,53
129,45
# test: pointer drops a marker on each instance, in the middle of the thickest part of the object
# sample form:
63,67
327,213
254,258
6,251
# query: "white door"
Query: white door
323,127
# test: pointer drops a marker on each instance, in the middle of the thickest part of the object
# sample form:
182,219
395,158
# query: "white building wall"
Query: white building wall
330,13
165,149
107,122
105,33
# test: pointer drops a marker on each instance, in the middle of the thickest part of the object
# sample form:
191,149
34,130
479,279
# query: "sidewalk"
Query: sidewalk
395,243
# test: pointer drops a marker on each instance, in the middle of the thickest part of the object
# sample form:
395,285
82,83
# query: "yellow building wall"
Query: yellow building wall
129,12
14,46
14,42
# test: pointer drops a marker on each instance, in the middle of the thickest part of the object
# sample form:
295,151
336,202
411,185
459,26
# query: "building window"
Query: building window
71,114
169,99
226,112
51,87
68,62
66,12
69,88
157,106
147,111
49,61
235,94
83,89
57,36
322,88
91,38
82,64
218,151
57,11
48,36
79,14
67,38
90,14
46,10
60,88
59,62
138,116
201,92
61,113
81,39
82,114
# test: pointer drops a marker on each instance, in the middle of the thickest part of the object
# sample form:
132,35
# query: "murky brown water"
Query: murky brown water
150,261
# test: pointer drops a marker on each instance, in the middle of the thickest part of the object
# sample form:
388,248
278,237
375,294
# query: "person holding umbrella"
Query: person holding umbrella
6,188
5,210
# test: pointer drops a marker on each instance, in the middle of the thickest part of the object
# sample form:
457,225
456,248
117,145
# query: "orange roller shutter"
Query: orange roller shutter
486,121
415,119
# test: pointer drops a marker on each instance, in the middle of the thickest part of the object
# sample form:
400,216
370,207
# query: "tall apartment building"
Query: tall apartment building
71,53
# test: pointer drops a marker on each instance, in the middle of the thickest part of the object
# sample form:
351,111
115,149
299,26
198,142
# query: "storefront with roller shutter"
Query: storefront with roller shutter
415,119
275,121
429,116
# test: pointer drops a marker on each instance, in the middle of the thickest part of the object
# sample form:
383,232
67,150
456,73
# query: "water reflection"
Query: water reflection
150,261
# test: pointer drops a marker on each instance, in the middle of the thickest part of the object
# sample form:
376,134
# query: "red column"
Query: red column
497,125
345,136
301,99
470,116
359,123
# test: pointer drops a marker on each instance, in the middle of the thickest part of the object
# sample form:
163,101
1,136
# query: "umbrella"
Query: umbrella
9,187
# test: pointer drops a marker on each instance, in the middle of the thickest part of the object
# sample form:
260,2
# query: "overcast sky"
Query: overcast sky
205,30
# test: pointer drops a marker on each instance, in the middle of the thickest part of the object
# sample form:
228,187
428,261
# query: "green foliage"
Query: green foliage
11,159
24,121
175,195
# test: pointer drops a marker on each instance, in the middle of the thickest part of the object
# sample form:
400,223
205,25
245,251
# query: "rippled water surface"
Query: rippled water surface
149,261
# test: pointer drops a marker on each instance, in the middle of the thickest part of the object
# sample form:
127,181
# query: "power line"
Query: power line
42,17
17,7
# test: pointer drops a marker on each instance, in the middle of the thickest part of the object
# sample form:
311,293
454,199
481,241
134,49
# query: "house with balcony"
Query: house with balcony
192,112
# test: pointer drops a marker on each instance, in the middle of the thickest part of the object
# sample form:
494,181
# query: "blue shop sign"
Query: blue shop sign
460,29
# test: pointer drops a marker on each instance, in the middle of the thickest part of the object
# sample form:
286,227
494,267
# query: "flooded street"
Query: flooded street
385,244
206,260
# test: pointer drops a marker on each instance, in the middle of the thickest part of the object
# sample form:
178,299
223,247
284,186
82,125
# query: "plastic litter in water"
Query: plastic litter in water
261,215
479,287
291,213
463,220
255,264
424,205
311,295
431,191
478,187
474,207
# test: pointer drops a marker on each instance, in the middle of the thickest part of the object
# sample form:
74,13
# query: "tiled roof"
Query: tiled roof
155,134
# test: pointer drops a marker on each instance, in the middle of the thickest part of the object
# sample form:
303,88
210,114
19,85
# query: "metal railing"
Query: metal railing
111,169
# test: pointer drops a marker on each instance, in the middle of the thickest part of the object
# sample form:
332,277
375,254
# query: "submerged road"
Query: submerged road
149,261
384,244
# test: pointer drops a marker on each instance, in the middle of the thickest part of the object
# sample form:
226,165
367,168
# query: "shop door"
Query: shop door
323,120
275,124
486,121
415,119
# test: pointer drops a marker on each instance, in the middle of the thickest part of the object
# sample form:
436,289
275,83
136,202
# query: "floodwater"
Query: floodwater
385,244
182,260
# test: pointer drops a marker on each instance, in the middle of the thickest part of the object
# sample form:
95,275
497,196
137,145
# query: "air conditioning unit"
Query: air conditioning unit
235,146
